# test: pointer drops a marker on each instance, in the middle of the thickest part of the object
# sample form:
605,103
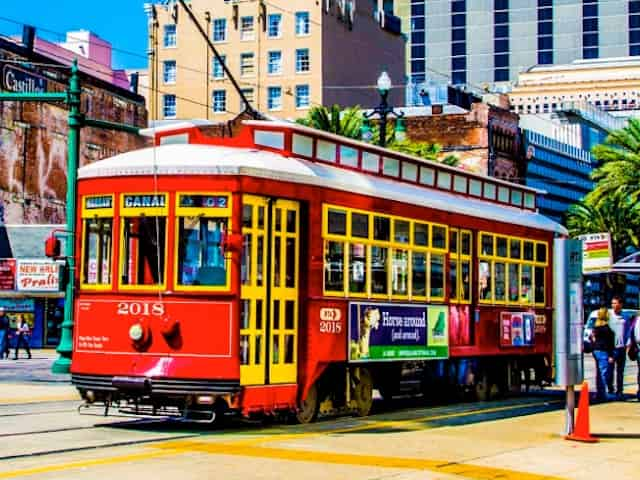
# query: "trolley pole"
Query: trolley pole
76,121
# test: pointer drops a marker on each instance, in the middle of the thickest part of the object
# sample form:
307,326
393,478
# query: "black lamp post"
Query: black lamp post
383,110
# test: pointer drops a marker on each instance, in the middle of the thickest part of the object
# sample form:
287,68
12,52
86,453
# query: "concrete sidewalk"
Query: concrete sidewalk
36,369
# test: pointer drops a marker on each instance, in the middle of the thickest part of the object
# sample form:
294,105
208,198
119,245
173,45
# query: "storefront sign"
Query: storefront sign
17,80
517,329
144,201
38,276
17,304
397,332
7,274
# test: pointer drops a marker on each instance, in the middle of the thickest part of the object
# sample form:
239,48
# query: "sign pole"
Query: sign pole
63,363
570,410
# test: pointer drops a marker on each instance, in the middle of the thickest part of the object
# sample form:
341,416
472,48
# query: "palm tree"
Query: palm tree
345,122
620,163
615,213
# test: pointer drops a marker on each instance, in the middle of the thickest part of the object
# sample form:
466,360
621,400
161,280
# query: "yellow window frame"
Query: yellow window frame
459,258
131,212
509,260
88,213
201,212
392,245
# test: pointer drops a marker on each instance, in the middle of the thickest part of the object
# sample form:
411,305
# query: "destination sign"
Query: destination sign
92,203
204,201
15,79
145,201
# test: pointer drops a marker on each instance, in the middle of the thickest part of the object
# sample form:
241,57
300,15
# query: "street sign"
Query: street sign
596,252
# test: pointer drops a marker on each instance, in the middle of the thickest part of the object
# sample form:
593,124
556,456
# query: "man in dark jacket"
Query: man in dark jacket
4,335
23,338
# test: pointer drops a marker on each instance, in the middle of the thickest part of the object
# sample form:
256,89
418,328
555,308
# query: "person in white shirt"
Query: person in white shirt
620,324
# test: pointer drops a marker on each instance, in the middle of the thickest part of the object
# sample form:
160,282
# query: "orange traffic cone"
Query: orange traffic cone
581,431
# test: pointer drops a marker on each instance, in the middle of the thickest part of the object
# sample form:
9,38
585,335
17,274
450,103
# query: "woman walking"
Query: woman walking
603,340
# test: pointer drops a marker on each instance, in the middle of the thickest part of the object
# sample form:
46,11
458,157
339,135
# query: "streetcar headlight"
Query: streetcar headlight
136,332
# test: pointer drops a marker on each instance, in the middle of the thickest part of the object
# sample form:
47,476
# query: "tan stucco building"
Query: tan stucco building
286,55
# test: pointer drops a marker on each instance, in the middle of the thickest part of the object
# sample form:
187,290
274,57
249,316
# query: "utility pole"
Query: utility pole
76,121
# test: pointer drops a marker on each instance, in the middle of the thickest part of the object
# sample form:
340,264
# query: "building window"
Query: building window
458,41
220,30
246,64
302,96
216,68
219,103
170,39
246,28
169,71
501,40
590,26
248,94
302,60
169,106
275,25
634,27
274,100
274,65
302,23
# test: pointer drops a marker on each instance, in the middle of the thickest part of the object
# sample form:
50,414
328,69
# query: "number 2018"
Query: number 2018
140,308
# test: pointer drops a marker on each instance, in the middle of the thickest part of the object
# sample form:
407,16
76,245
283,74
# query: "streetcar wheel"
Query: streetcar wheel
308,409
363,393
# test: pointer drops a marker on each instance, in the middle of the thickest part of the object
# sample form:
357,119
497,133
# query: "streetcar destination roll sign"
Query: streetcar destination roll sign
381,331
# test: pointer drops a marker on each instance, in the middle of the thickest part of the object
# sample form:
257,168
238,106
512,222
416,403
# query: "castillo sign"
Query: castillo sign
596,252
17,80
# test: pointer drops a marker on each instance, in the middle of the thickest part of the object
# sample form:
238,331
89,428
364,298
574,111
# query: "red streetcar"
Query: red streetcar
290,270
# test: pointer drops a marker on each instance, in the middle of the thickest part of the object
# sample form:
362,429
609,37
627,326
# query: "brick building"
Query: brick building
33,157
485,137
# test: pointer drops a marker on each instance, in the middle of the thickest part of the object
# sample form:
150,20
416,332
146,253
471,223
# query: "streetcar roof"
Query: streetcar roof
194,159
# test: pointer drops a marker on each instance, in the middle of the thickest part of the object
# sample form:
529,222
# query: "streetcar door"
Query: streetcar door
283,311
253,293
269,293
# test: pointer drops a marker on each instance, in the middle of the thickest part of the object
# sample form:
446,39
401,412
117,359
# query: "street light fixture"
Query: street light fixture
383,110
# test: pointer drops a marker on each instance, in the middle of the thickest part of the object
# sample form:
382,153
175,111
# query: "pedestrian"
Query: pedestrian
602,338
620,323
4,335
23,337
634,348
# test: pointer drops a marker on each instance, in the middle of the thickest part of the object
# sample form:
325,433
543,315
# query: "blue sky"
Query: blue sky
121,22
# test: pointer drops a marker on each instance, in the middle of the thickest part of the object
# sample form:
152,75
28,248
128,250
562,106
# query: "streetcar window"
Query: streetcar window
370,162
357,268
528,250
500,274
419,274
334,266
541,252
487,244
409,171
439,237
143,254
444,180
514,282
453,279
484,281
400,272
539,279
427,176
326,151
501,247
465,243
391,167
200,252
360,225
401,231
381,228
465,281
348,156
526,295
514,248
98,241
421,234
337,222
437,276
379,265
475,187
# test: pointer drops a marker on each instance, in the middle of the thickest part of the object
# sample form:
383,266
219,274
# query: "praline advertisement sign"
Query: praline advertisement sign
381,331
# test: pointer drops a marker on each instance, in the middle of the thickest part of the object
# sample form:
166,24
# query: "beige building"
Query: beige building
611,84
286,55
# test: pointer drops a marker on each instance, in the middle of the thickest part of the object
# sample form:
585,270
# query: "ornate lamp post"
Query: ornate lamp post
383,110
